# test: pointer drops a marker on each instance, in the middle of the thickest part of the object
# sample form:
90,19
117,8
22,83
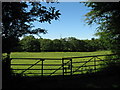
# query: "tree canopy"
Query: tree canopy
70,44
18,18
30,44
107,15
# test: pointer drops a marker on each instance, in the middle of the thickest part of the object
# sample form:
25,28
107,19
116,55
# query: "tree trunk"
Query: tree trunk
6,67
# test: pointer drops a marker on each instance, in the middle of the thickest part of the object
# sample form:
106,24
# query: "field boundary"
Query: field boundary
66,67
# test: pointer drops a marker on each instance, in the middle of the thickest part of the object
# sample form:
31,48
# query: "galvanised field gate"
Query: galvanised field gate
59,66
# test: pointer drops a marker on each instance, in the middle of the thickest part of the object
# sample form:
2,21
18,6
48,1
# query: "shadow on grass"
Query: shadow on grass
108,77
93,80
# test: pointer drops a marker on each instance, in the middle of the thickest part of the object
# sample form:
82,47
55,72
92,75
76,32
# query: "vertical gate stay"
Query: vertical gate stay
70,66
42,66
63,66
95,64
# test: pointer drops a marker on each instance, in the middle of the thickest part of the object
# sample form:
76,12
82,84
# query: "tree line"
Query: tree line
70,44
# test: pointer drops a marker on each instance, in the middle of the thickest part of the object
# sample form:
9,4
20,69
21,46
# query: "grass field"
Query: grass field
55,54
56,63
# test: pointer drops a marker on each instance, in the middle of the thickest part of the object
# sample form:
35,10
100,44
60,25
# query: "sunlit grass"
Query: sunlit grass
54,62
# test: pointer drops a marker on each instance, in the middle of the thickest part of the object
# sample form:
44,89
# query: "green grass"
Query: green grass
53,55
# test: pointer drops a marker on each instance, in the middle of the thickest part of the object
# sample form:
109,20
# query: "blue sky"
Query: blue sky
70,24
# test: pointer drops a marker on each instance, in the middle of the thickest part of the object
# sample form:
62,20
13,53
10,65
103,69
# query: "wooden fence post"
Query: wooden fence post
63,66
95,64
71,67
42,67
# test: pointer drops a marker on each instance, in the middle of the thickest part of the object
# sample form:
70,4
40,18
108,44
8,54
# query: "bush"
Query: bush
112,64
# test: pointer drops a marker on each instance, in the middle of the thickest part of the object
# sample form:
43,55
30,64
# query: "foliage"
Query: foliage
6,70
46,45
112,65
107,15
18,18
31,44
57,45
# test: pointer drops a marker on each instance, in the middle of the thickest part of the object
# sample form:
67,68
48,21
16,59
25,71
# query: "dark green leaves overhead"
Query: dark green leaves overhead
18,19
107,15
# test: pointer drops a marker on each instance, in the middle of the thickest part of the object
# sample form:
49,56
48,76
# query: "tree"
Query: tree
64,44
46,45
107,15
71,43
57,45
30,44
18,18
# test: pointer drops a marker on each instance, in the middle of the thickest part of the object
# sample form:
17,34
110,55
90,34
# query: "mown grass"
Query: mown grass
55,54
54,62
